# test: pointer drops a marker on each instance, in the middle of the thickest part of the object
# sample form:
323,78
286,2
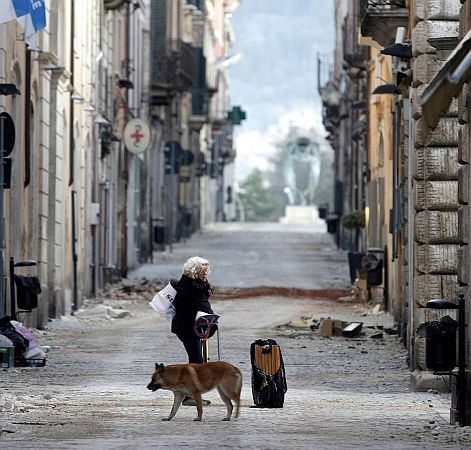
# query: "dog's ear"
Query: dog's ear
156,366
160,368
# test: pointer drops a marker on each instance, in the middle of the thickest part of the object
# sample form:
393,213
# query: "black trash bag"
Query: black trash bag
268,389
27,289
20,343
445,327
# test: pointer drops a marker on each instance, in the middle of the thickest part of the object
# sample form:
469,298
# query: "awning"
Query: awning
447,83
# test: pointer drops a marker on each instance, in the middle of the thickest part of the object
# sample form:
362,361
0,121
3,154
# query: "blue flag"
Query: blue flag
30,14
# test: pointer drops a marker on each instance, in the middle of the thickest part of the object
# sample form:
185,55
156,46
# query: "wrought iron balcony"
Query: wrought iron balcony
380,19
354,54
173,68
184,55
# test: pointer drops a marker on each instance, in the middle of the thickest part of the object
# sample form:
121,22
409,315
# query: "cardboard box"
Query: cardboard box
7,356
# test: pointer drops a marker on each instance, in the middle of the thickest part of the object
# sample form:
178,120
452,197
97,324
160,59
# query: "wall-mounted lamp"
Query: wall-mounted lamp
125,83
90,108
100,120
387,89
50,66
8,89
403,51
76,97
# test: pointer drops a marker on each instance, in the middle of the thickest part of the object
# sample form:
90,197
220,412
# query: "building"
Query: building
81,203
415,180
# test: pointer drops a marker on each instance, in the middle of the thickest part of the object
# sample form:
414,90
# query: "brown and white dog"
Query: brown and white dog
196,379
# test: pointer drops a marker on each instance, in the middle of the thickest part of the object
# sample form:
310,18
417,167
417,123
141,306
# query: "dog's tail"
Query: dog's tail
238,392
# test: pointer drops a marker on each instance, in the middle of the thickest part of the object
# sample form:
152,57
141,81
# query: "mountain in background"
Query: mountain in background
279,41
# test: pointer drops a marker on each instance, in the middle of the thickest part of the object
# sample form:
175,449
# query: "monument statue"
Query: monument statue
301,171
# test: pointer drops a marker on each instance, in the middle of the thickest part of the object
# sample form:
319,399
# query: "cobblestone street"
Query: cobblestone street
342,392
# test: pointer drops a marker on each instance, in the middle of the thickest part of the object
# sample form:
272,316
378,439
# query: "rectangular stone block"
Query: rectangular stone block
443,9
463,144
424,68
436,227
428,287
462,100
463,177
419,352
436,163
444,135
416,107
427,29
436,195
437,259
463,265
463,224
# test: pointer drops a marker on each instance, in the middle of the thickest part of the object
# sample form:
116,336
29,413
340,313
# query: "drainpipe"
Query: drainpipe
74,255
95,235
410,243
2,277
27,129
72,162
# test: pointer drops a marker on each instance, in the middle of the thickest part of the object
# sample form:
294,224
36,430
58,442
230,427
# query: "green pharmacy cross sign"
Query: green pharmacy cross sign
236,115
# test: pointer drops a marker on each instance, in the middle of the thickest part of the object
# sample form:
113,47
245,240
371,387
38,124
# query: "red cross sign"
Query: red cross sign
137,135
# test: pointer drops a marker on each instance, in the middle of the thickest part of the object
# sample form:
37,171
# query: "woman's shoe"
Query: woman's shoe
189,401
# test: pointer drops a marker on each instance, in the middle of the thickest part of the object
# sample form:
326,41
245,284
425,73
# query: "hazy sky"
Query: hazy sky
275,81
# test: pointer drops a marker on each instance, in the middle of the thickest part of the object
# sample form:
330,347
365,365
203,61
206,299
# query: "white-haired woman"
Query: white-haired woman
193,293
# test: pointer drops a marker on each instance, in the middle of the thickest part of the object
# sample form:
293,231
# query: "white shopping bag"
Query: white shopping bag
163,302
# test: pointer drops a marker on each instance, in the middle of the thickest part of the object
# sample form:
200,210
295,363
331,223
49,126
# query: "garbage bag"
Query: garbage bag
27,289
445,327
20,343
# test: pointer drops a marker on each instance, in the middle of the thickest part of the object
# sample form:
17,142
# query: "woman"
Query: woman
193,293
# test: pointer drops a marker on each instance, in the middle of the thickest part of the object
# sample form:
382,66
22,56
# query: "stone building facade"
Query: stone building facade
418,116
80,204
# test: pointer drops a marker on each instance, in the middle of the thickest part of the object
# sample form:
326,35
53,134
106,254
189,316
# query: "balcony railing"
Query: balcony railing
365,4
173,65
379,19
354,54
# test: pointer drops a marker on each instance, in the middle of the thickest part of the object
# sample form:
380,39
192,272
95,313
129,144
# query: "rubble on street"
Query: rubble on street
343,392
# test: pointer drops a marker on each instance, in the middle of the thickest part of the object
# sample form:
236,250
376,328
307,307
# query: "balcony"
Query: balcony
184,56
173,69
355,55
379,19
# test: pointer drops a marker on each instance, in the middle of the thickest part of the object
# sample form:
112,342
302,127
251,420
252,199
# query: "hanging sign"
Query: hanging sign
137,135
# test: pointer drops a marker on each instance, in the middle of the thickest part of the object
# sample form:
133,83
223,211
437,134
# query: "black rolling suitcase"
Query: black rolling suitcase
268,374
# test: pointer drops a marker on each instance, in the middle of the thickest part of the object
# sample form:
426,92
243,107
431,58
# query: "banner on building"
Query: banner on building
30,14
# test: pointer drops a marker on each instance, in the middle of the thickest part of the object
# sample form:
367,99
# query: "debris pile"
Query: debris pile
19,347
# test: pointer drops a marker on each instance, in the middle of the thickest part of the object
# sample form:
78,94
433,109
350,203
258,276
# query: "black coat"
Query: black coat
192,296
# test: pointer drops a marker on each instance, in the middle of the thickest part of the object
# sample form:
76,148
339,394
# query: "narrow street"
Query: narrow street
270,281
